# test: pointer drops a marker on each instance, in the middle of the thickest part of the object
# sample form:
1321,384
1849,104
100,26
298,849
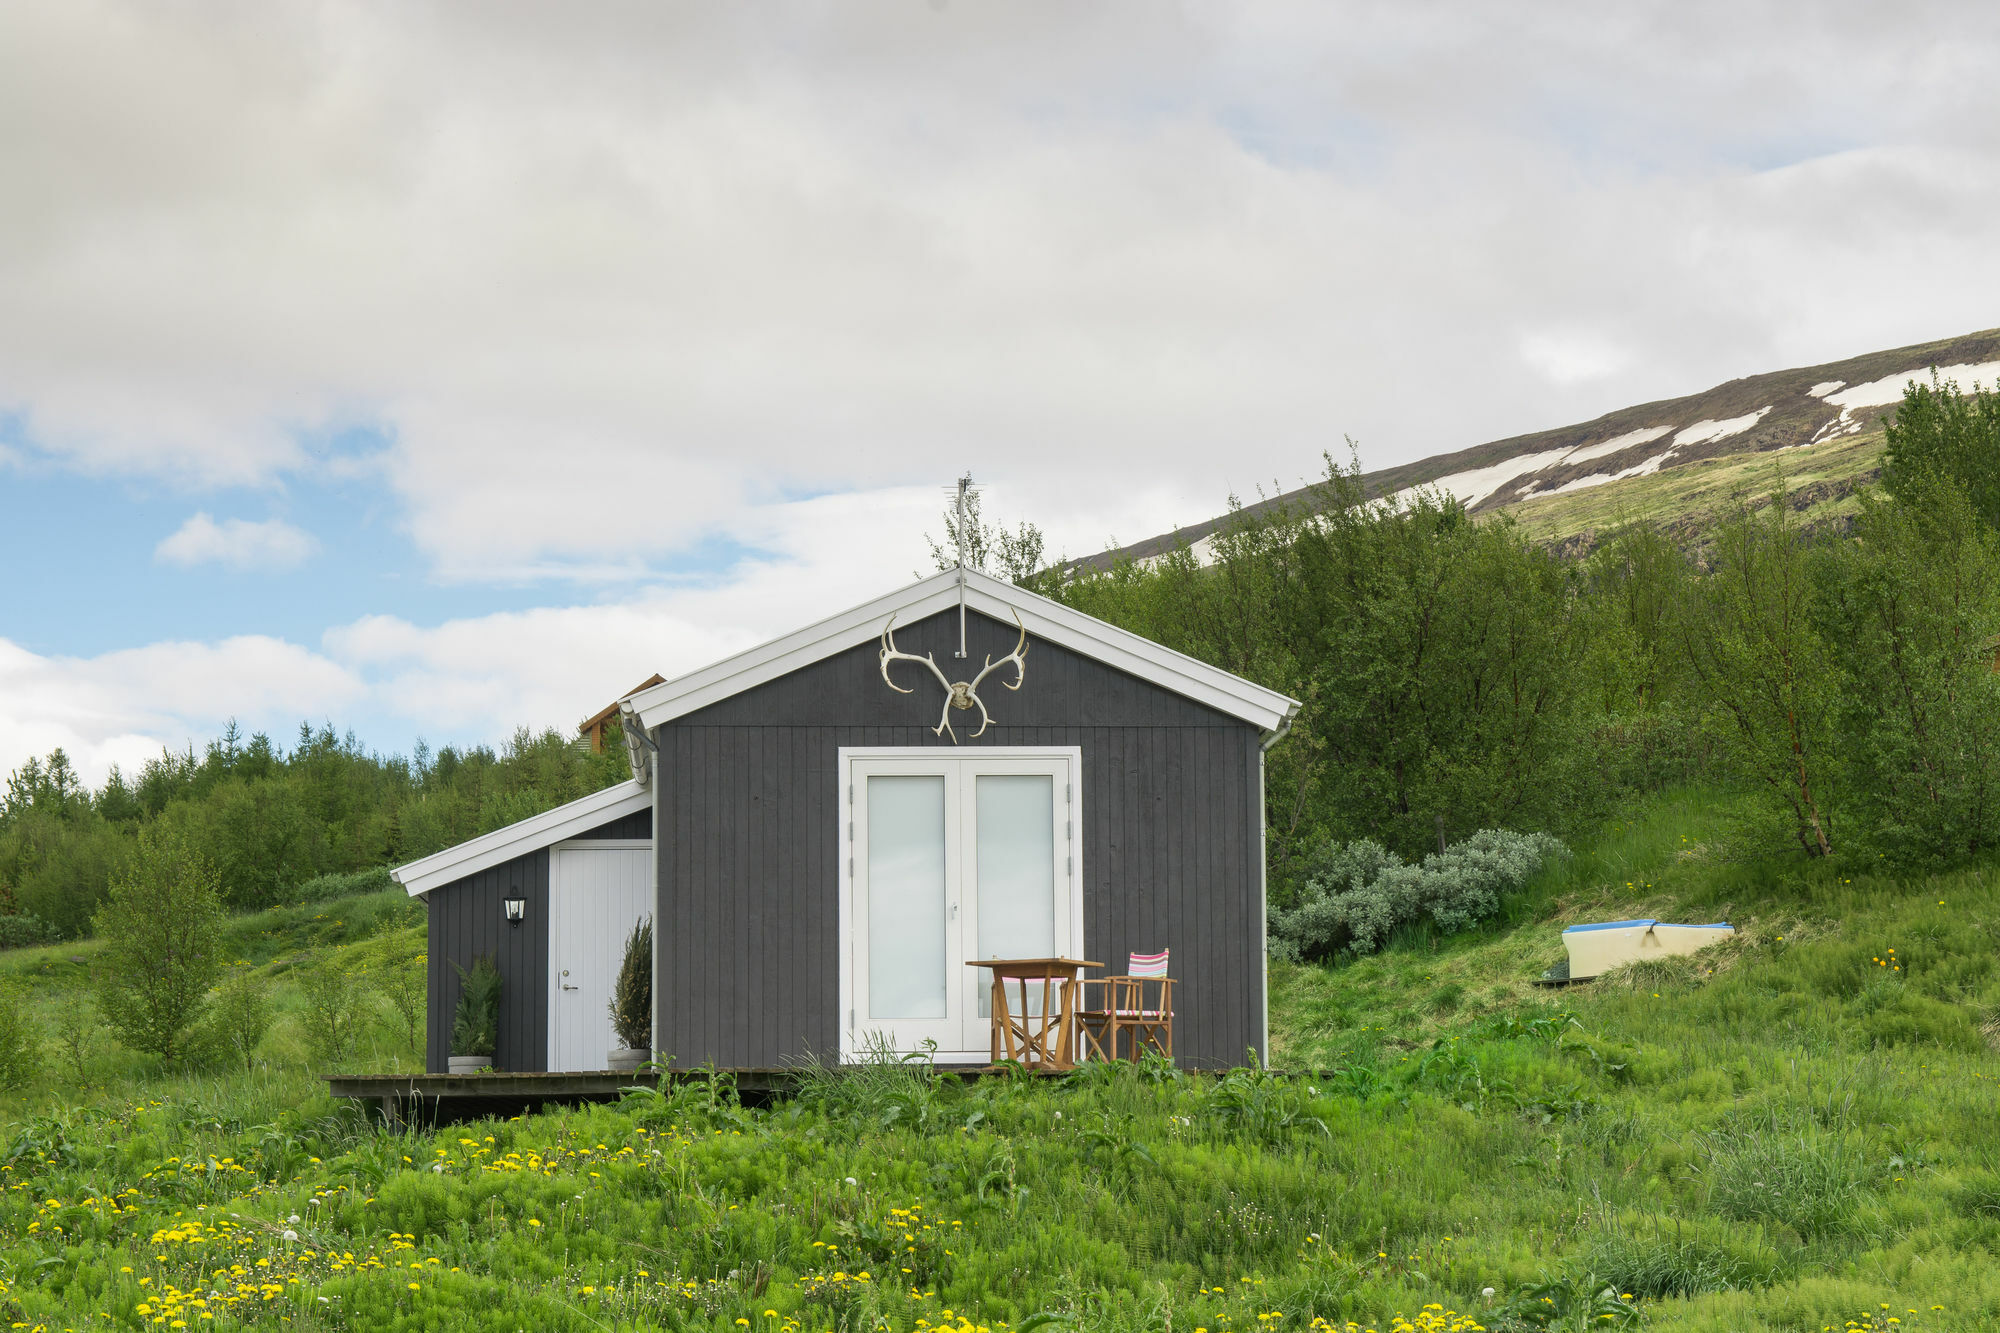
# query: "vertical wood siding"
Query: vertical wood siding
467,920
747,944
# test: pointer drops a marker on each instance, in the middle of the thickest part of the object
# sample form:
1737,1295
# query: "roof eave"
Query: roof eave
1267,709
518,839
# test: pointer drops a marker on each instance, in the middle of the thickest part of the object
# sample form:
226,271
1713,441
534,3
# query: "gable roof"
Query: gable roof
551,826
1232,695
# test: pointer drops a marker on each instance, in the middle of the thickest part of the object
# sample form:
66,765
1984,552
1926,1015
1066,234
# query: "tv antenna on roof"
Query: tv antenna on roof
962,508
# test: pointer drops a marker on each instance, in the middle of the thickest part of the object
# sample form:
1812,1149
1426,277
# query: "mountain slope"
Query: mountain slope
1671,461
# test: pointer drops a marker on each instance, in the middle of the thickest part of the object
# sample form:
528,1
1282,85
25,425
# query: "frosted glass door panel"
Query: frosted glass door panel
906,897
1015,872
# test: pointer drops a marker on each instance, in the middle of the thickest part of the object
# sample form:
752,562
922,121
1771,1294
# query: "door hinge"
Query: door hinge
1069,830
850,867
850,1020
1069,866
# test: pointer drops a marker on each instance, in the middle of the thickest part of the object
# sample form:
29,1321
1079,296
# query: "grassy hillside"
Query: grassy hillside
1819,479
1792,1132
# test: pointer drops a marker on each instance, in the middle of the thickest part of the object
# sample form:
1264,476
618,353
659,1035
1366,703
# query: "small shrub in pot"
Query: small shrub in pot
632,1000
475,1024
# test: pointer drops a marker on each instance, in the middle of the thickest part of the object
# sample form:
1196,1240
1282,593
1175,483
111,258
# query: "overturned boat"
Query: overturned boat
1600,946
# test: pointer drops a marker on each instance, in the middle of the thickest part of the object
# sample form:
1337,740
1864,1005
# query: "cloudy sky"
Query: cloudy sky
434,369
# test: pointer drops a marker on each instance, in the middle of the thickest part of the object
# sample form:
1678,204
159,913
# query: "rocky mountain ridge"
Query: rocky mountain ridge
1824,421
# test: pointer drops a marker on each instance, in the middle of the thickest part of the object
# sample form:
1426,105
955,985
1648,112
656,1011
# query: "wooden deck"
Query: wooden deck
434,1098
447,1097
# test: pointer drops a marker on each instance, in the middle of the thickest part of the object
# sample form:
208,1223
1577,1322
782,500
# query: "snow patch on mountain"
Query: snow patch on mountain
1889,389
1701,432
1641,469
1825,387
1613,445
1472,486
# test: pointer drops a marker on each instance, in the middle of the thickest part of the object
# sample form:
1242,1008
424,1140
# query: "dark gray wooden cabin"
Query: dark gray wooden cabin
821,854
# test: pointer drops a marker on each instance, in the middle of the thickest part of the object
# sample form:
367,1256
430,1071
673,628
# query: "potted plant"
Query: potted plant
475,1024
632,1001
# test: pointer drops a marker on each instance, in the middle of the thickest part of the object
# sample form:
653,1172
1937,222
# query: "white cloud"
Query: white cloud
1567,358
476,678
678,261
610,282
236,543
121,707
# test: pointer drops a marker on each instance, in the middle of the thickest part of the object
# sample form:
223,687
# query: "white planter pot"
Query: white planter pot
466,1064
627,1059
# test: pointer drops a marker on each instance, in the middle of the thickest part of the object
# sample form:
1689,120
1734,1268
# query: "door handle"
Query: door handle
565,985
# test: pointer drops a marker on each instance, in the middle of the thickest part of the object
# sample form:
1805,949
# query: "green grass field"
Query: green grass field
1795,1131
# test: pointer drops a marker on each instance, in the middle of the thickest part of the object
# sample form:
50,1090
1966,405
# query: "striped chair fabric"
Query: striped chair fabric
1123,1009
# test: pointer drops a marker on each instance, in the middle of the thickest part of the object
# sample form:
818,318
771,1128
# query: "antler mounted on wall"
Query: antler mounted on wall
959,694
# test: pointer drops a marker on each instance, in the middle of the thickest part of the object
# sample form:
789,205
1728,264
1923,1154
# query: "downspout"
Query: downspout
1264,886
644,752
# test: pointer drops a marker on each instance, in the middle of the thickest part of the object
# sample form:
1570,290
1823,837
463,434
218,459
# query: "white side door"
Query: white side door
598,891
953,858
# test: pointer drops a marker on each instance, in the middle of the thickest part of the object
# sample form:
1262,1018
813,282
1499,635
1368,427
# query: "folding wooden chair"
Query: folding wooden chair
1123,1007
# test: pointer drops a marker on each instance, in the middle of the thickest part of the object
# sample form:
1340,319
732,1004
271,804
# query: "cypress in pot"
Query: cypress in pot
632,1001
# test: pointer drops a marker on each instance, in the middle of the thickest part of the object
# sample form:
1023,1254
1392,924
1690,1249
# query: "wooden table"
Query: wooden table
1049,1043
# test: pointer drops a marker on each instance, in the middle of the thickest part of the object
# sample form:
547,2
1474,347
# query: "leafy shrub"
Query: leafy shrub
20,1041
632,992
325,888
1810,1184
403,983
238,1016
161,925
475,1023
333,1014
1358,894
76,1027
21,930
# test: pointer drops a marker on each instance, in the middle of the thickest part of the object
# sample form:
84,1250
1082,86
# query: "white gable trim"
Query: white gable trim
1267,709
543,830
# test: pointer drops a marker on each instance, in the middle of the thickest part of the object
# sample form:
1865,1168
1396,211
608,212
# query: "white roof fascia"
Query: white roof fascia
490,849
1045,619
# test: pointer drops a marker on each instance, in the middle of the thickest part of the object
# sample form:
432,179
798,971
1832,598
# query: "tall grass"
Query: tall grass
1779,1134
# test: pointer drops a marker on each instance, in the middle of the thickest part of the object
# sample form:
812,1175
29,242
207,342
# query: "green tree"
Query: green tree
1942,435
1437,659
1767,684
1914,604
161,925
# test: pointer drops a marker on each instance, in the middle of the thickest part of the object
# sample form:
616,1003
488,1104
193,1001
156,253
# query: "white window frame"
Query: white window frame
1069,756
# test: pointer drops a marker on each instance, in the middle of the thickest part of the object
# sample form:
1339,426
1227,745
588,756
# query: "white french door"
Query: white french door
951,858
